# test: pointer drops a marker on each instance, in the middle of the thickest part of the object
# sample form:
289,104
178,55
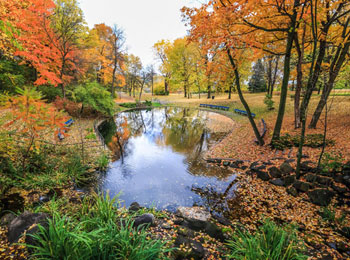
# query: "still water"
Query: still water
158,159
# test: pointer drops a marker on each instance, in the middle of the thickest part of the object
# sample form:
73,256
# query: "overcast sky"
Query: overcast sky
143,21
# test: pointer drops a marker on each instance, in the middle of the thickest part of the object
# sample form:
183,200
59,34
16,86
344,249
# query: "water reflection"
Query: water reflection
158,158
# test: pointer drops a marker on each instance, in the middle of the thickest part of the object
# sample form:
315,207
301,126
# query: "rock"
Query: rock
214,231
302,186
44,199
292,191
324,180
289,180
134,207
226,163
321,197
261,167
345,231
263,175
186,232
305,167
244,167
195,216
235,165
311,177
222,220
275,172
166,226
338,189
13,202
254,165
197,251
286,169
277,182
6,219
289,161
145,219
23,222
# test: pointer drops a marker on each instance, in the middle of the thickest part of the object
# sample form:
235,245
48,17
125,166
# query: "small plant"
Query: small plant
331,162
96,233
102,162
329,215
311,140
270,242
269,102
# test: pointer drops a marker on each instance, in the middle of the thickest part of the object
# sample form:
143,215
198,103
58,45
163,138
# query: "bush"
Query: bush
95,96
50,93
159,90
96,235
270,242
269,102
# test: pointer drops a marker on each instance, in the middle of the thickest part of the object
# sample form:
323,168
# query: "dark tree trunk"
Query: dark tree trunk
244,102
335,68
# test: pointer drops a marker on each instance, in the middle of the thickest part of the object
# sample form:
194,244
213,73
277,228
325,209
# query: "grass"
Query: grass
96,233
270,242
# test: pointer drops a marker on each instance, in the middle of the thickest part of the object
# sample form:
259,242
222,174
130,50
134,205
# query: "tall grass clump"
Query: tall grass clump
99,234
270,242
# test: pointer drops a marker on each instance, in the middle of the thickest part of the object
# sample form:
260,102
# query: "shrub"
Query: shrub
270,242
269,102
95,96
159,90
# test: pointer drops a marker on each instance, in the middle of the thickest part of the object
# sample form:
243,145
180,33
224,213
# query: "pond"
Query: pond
158,158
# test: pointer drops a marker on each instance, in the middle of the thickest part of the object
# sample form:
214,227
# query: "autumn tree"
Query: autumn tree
161,50
68,26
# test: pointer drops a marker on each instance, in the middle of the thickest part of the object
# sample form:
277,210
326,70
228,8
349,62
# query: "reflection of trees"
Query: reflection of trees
184,130
119,139
213,200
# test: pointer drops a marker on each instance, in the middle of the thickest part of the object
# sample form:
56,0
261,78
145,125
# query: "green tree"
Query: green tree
96,96
257,81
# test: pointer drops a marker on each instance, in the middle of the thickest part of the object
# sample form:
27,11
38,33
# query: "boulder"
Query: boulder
214,231
302,186
6,219
324,180
289,180
196,251
277,182
345,231
263,175
134,207
226,163
144,220
254,165
275,172
292,191
286,169
23,223
321,197
311,177
196,217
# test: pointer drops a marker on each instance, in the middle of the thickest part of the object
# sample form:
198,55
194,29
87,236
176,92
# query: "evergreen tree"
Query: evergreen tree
257,81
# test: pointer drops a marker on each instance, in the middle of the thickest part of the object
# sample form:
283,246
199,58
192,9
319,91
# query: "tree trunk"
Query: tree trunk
335,68
285,81
241,97
229,92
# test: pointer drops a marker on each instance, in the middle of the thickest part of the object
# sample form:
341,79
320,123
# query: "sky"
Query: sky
144,21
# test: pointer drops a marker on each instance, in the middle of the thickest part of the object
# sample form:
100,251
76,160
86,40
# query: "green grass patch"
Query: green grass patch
311,140
269,242
96,232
